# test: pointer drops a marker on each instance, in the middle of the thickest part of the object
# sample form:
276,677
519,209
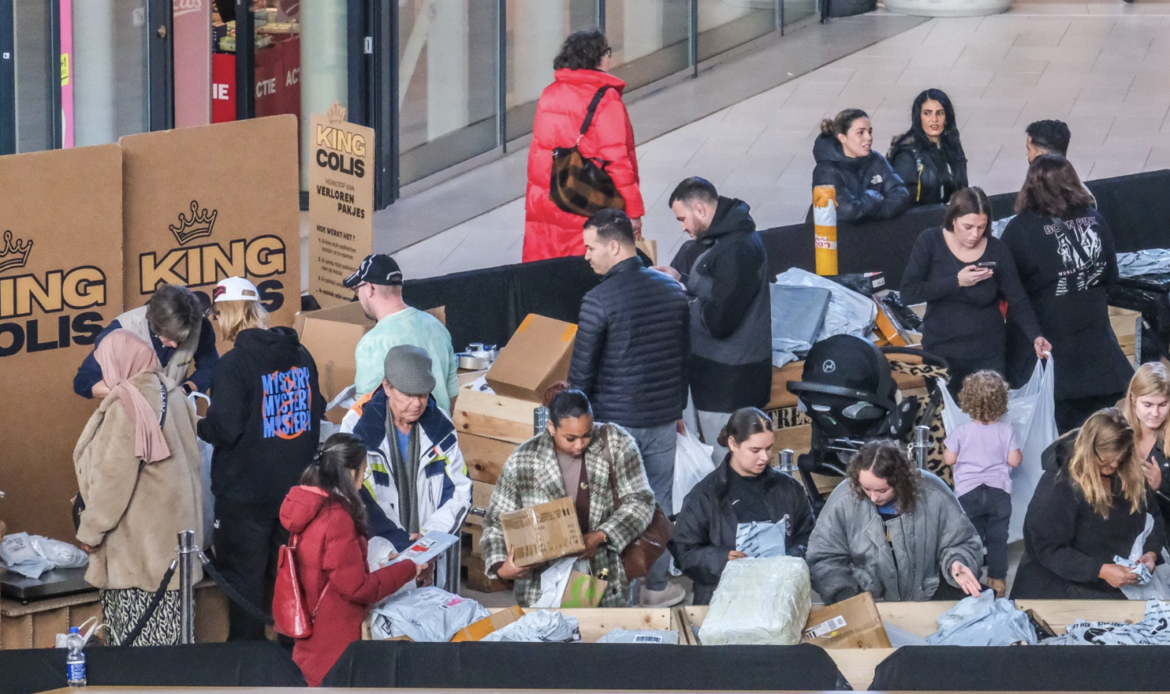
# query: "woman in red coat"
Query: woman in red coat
330,518
582,67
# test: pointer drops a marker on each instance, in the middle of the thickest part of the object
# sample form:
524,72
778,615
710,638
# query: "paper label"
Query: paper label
822,242
824,628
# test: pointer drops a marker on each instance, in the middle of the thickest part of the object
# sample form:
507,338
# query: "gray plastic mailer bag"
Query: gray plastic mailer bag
425,614
983,621
797,316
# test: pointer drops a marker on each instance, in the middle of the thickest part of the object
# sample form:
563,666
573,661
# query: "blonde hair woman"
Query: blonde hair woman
1146,406
264,422
1085,514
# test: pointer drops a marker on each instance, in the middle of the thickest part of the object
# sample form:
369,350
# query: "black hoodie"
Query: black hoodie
867,188
731,313
932,174
264,419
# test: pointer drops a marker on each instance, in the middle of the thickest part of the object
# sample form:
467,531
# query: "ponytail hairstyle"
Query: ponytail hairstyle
840,124
743,424
332,470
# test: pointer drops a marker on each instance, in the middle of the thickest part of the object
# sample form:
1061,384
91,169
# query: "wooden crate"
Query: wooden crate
1125,327
598,621
476,577
484,457
919,618
469,538
494,416
481,496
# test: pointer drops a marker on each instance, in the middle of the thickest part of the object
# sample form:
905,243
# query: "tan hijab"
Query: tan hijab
122,356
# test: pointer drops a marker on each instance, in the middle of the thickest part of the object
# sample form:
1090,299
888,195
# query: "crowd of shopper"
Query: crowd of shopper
652,343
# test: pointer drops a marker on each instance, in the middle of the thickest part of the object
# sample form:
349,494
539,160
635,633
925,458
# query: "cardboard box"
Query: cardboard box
543,532
536,357
331,336
60,285
493,416
485,626
484,457
852,623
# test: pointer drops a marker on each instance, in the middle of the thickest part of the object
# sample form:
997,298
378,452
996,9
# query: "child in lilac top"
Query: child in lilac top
983,453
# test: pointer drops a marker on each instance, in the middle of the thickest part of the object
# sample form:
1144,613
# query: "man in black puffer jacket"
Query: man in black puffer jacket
731,310
630,359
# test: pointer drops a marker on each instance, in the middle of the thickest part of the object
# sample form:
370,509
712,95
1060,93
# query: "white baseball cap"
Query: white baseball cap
236,289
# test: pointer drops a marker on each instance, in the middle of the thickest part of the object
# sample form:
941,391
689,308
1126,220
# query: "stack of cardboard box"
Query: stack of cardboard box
491,424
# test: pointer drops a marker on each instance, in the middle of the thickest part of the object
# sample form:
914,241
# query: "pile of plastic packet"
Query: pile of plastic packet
1153,630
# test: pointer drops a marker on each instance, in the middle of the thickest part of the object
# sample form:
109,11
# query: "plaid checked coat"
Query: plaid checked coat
532,476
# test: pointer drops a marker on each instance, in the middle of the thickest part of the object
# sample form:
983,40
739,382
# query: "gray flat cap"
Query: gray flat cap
408,369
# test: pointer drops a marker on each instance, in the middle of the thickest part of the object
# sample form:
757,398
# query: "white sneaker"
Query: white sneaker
672,595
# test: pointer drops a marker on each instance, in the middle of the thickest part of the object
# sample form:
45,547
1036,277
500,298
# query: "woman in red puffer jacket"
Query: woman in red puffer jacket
330,518
582,67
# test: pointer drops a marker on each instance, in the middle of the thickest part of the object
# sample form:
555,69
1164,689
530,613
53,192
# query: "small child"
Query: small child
983,453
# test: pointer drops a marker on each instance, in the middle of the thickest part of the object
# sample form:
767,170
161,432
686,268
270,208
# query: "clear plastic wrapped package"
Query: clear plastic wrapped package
759,602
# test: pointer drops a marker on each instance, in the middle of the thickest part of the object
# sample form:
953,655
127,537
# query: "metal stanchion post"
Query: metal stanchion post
921,444
187,554
788,461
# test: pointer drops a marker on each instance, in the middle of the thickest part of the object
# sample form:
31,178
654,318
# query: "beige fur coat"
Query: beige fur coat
133,518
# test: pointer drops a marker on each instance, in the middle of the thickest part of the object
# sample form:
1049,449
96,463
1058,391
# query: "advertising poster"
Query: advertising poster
341,203
60,284
205,203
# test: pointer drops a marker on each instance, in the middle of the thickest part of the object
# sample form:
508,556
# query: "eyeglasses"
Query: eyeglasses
607,52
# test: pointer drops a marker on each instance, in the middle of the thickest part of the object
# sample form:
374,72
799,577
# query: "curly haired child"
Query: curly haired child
983,453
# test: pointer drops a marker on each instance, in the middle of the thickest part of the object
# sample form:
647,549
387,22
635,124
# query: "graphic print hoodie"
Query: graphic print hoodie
264,419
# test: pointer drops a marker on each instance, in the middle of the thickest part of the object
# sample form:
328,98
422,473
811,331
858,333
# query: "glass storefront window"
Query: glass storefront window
650,38
35,74
796,10
110,88
536,29
447,76
725,24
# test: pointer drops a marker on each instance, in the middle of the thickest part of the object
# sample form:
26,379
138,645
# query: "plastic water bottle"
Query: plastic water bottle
75,660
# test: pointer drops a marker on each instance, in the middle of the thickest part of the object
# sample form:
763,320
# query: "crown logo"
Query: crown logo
336,113
14,254
198,225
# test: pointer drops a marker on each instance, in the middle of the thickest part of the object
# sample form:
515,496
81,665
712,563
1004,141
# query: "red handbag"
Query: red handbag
289,612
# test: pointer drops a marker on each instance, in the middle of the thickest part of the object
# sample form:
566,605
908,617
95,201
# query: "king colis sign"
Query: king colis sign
199,261
63,295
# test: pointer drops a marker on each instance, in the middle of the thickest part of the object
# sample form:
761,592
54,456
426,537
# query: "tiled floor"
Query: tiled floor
1103,67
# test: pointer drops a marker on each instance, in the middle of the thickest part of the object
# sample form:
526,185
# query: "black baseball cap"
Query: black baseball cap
378,268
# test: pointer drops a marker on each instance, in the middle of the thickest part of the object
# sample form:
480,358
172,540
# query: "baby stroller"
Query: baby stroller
849,392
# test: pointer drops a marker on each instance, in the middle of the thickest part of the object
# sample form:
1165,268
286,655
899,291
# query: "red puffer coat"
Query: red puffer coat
549,231
331,552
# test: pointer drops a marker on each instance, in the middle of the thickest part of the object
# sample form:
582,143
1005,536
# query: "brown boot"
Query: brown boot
998,585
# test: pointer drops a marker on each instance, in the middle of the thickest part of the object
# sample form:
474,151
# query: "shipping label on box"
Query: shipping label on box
543,532
536,357
852,623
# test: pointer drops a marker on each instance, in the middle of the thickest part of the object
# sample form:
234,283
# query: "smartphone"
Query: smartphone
987,264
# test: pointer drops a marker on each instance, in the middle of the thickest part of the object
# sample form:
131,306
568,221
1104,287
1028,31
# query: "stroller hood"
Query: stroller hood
848,361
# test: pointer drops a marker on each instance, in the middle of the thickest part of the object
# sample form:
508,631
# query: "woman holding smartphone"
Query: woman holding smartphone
961,272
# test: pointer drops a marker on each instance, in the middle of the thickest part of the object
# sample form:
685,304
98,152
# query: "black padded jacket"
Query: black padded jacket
931,174
867,187
633,342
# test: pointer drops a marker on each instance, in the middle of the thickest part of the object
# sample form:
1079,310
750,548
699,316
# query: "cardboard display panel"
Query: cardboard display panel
205,203
60,284
341,203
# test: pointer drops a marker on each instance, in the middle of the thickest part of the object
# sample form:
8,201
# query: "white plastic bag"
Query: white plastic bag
206,451
61,555
759,602
692,462
1157,586
17,555
1032,414
761,539
983,621
553,582
427,614
850,313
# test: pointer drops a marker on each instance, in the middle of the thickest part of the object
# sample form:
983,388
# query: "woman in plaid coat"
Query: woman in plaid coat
573,453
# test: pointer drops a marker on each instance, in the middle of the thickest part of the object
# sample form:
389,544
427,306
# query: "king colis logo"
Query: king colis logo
23,295
195,264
